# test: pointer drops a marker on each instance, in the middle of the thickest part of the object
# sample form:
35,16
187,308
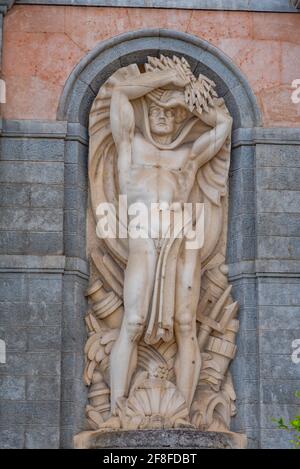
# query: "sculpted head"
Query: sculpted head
162,120
166,114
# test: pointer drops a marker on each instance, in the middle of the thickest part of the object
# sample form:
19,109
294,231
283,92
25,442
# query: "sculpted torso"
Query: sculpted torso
159,176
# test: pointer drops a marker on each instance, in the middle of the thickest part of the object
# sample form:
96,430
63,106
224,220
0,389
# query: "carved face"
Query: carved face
162,121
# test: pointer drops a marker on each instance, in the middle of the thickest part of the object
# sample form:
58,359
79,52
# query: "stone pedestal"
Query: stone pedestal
160,439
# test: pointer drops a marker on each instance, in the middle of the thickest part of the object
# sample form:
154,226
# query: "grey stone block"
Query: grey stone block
31,263
246,391
77,133
278,367
247,341
284,156
256,5
103,66
32,363
31,172
275,439
66,437
79,364
241,202
79,108
22,413
33,219
44,289
244,291
74,390
12,288
279,318
279,293
45,243
73,328
43,314
275,410
43,388
242,180
12,387
14,242
31,149
243,115
76,175
68,364
47,196
241,248
244,367
13,313
242,157
69,292
76,153
278,224
44,338
278,178
278,201
42,413
79,267
14,195
42,437
279,342
12,437
71,221
247,318
75,245
75,198
19,315
73,415
279,391
39,129
16,338
274,247
241,225
247,416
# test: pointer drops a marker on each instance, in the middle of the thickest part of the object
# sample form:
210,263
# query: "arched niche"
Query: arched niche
75,103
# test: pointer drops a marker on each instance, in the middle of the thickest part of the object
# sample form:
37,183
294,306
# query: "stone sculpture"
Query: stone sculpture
295,3
161,321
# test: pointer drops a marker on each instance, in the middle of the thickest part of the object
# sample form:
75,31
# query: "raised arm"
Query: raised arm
122,114
211,142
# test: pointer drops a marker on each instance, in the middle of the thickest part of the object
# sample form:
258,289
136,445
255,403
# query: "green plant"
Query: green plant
293,426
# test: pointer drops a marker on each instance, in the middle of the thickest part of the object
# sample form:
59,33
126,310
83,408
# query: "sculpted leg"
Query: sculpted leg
188,360
138,286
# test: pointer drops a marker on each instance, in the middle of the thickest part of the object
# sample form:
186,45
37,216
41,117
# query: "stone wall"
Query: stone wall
44,43
43,199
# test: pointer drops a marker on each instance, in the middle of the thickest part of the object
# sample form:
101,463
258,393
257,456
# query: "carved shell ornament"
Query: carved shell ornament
153,398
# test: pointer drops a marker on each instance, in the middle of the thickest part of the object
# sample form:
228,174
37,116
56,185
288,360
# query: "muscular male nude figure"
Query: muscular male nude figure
148,173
